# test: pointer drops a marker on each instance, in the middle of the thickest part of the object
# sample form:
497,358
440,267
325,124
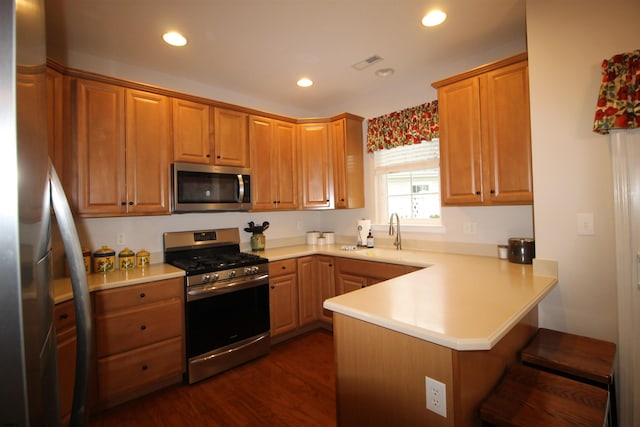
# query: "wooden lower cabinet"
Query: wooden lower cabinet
283,296
139,339
307,290
352,274
65,322
326,285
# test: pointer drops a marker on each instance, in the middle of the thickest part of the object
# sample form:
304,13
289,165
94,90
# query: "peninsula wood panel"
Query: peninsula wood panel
381,376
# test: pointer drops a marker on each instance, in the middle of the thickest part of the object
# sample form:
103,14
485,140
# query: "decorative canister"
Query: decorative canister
143,258
104,260
126,259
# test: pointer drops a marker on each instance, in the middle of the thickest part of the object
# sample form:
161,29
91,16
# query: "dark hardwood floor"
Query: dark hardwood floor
294,385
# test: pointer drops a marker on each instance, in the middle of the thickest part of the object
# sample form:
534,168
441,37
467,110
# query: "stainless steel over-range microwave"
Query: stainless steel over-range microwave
205,188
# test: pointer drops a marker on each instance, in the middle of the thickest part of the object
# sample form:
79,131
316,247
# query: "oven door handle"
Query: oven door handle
209,290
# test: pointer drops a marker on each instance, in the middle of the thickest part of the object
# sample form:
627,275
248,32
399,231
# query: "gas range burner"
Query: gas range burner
199,264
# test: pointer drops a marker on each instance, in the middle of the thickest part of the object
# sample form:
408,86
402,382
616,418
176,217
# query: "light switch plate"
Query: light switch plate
585,224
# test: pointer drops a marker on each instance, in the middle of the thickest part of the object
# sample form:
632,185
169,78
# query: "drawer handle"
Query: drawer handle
143,327
284,267
142,295
64,316
145,367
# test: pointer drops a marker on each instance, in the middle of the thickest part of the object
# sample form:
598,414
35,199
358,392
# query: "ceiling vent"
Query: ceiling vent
367,62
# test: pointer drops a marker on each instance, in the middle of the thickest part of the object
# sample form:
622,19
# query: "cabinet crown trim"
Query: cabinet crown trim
481,70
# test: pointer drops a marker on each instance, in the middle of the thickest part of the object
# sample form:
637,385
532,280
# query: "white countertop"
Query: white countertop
463,302
459,301
114,279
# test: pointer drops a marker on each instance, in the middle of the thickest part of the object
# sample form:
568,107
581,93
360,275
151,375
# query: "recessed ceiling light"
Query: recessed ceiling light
433,18
174,39
385,72
304,82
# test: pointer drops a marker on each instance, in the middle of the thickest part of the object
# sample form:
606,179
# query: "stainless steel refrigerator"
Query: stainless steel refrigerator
29,189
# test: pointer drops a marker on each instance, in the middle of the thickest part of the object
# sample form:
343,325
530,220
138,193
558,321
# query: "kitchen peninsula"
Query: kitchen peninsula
461,321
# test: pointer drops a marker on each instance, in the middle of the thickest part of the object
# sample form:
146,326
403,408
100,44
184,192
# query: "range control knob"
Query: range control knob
206,278
214,277
232,274
251,270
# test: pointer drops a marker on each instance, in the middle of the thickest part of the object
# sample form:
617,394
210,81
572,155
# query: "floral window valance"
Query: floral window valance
409,126
619,98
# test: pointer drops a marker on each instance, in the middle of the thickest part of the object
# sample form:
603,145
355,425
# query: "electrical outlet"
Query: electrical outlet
436,396
470,227
121,239
300,225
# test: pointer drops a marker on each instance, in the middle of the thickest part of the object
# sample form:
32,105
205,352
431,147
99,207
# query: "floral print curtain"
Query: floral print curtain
409,126
619,98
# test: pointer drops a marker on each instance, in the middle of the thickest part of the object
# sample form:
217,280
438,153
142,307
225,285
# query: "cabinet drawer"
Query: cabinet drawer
285,266
65,315
375,270
134,369
127,329
132,296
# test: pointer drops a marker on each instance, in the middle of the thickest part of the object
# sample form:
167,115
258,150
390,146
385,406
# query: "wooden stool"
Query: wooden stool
532,397
580,358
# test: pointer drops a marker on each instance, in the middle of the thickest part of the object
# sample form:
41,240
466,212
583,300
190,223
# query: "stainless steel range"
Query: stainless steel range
227,299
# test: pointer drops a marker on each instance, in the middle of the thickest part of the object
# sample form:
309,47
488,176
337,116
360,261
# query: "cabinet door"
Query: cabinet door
283,301
231,146
285,163
263,174
348,172
100,133
507,141
148,152
191,132
349,282
460,143
317,173
307,290
326,285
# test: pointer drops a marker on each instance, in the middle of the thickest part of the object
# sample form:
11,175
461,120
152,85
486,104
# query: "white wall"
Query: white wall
567,41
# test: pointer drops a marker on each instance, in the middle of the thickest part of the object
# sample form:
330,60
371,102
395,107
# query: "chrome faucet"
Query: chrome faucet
398,241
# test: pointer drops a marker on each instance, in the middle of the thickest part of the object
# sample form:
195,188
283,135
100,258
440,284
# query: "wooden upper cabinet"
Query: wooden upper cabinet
315,166
485,136
348,172
460,149
508,148
191,132
123,148
231,143
273,164
148,153
100,133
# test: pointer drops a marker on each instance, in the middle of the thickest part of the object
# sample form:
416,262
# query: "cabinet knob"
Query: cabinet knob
64,316
143,327
273,287
284,267
217,157
327,200
123,203
208,155
130,203
330,265
492,191
477,193
145,367
142,295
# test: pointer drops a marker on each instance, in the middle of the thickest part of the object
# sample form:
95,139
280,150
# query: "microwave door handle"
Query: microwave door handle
240,189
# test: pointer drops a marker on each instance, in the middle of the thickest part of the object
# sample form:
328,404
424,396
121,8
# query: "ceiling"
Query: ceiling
260,48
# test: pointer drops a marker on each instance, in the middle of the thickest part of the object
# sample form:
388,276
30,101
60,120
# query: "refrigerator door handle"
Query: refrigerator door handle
81,297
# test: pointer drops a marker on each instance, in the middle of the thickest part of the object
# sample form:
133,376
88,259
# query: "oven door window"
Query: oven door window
200,187
225,319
